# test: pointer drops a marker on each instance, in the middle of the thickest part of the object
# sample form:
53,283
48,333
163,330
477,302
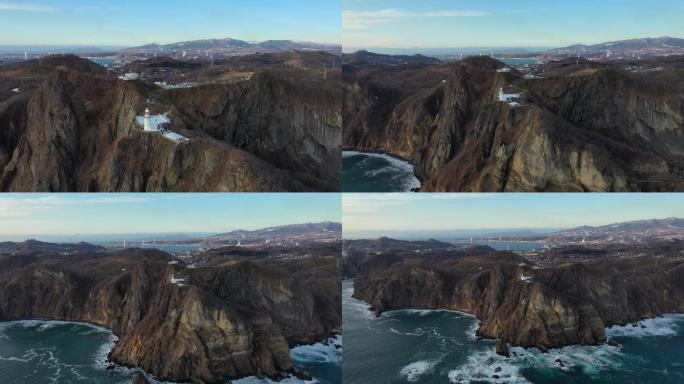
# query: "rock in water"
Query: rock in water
502,348
140,379
303,375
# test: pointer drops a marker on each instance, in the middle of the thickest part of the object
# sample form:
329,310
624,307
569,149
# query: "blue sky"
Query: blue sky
375,213
137,22
121,213
505,23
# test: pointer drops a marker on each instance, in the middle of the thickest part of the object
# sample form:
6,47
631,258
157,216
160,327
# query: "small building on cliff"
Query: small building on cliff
510,95
130,76
155,125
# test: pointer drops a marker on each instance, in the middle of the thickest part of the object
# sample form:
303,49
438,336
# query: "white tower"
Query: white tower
146,126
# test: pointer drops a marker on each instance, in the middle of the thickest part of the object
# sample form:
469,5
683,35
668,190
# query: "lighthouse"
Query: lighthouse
146,125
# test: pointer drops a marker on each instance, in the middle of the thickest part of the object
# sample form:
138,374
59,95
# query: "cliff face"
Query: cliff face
76,131
200,331
591,130
282,119
543,308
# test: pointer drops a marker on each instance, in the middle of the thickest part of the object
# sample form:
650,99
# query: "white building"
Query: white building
177,280
147,127
508,96
504,70
155,124
130,76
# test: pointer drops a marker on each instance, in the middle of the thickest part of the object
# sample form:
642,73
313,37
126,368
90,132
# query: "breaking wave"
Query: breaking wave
399,171
329,351
413,371
666,325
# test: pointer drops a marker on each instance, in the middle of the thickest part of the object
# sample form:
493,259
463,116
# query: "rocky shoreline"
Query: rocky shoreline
222,323
580,128
548,308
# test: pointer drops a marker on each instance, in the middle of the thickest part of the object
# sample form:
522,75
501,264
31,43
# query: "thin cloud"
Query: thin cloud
353,203
26,7
97,8
18,207
368,19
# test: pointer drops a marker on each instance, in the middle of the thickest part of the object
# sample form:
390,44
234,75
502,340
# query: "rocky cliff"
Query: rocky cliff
73,128
571,303
596,127
227,321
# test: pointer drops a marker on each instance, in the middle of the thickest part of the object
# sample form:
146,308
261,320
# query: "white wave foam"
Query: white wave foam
101,356
402,165
43,325
356,305
407,333
489,367
380,171
329,351
413,371
471,331
666,325
592,360
15,359
290,379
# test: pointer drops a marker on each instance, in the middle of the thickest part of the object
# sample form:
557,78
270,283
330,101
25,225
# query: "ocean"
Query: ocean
531,61
423,346
103,61
375,172
505,245
59,352
173,248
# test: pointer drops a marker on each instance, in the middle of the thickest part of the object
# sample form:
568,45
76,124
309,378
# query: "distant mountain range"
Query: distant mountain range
384,244
370,58
221,48
638,225
640,231
631,49
36,247
286,235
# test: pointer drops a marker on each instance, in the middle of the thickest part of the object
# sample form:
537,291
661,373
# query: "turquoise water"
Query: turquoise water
103,61
323,361
62,353
371,172
175,248
511,246
420,346
57,352
521,61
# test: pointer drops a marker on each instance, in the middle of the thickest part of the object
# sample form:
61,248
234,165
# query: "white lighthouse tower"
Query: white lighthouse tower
146,126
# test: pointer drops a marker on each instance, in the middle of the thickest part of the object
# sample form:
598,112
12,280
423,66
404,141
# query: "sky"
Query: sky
24,216
138,22
503,23
373,215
